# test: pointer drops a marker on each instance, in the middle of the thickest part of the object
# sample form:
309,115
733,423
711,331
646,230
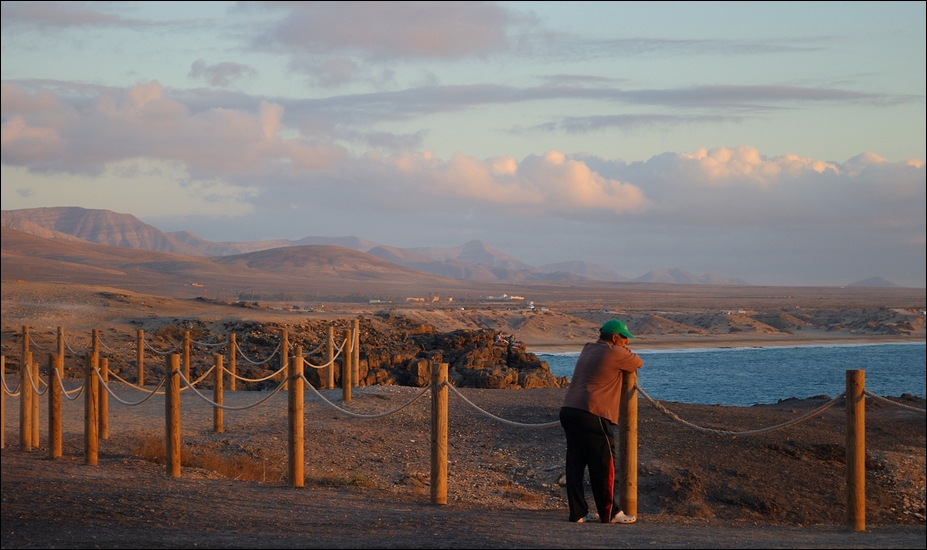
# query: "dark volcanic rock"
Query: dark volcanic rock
393,351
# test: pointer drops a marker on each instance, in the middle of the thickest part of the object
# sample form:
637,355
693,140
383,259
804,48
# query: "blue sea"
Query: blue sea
762,375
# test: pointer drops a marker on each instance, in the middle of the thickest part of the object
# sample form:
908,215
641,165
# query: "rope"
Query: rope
673,416
159,352
245,357
76,353
204,375
116,397
895,403
67,394
268,377
32,383
208,345
316,350
15,391
226,407
499,419
136,386
34,344
111,350
356,415
308,364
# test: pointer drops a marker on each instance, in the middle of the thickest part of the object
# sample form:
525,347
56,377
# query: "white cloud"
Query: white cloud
739,186
248,143
143,122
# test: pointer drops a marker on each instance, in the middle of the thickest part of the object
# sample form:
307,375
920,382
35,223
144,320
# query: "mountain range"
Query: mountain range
472,261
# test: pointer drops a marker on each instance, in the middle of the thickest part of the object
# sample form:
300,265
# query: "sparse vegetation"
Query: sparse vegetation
233,466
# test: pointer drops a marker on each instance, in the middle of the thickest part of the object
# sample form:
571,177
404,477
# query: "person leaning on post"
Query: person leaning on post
588,416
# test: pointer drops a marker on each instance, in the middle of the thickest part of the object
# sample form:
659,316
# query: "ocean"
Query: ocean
763,375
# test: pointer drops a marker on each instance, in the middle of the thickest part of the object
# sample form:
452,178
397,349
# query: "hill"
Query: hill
877,282
682,277
473,261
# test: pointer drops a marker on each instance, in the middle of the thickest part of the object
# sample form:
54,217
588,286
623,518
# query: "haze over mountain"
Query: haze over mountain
472,261
586,269
875,282
682,277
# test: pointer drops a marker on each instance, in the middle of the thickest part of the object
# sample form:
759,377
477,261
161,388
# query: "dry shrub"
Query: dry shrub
521,494
233,466
173,333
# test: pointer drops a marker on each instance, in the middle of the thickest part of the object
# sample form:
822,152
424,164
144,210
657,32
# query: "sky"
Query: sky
781,143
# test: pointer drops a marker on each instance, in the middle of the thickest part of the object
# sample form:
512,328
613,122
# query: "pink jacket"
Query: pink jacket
596,383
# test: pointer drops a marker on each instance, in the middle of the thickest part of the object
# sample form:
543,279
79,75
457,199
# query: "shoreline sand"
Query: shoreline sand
670,343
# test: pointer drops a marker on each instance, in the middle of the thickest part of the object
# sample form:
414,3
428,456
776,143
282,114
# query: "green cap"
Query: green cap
616,327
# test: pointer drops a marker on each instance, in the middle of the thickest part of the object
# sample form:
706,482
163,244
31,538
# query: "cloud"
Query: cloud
336,43
143,122
235,139
391,30
540,185
220,74
740,187
571,46
60,15
582,125
335,115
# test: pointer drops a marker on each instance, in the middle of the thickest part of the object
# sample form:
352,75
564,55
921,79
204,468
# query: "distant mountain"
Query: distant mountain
229,248
875,282
464,270
587,270
682,277
305,269
210,248
473,261
475,252
127,231
323,261
95,226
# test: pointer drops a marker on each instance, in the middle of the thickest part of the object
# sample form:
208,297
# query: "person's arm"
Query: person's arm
625,359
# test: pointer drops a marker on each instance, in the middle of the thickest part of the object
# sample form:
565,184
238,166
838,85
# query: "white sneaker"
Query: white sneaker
591,517
621,517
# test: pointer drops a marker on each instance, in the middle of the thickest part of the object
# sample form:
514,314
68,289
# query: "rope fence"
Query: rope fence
96,389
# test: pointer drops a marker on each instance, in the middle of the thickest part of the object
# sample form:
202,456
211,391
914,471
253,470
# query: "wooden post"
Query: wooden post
233,361
186,355
439,393
856,450
284,357
627,443
172,416
25,395
25,404
217,395
296,419
91,415
25,346
36,402
140,357
3,402
355,353
104,398
329,359
61,343
346,367
95,344
55,371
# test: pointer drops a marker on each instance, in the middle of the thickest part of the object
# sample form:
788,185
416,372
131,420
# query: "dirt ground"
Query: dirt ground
367,480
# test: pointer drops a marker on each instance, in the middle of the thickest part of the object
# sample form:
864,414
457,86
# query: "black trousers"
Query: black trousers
590,444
